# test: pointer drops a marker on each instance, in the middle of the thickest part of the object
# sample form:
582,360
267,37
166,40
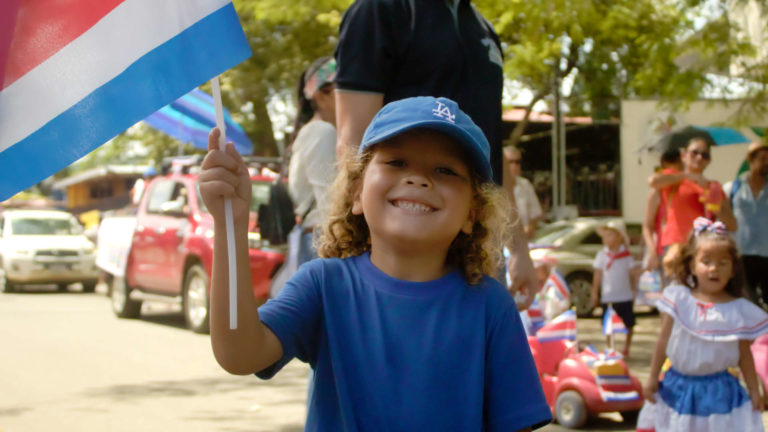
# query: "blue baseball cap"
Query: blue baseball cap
440,114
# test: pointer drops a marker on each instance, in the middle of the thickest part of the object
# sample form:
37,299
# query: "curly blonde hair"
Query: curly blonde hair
345,234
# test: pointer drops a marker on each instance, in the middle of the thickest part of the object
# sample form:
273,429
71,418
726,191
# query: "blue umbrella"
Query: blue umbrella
190,118
679,139
724,135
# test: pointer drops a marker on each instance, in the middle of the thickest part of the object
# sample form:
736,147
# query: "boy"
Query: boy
614,281
400,322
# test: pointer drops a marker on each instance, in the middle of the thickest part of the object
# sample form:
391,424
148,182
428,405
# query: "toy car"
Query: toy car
582,383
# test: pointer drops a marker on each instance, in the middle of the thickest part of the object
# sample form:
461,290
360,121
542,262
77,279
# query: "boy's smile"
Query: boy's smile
416,193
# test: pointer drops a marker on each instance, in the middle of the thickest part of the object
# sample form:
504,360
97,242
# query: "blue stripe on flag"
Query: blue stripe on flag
208,48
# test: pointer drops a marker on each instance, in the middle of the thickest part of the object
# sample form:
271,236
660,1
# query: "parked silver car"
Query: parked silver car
574,245
45,247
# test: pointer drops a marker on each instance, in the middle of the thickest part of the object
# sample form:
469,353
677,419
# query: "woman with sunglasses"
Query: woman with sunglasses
689,195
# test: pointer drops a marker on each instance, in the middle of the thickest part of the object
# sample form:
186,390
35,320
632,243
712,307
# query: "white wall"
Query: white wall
643,121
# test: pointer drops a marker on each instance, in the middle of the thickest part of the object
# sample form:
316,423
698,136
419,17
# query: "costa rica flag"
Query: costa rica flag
562,327
557,284
75,73
612,322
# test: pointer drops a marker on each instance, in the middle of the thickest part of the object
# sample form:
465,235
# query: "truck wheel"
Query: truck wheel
62,287
89,286
196,300
581,288
570,410
122,304
6,286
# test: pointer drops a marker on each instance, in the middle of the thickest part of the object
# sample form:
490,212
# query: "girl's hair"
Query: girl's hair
678,261
345,234
305,108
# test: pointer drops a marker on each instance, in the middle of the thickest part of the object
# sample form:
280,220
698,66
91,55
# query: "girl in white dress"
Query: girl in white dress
706,328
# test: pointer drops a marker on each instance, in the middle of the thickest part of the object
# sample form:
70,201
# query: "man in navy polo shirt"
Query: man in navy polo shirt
394,49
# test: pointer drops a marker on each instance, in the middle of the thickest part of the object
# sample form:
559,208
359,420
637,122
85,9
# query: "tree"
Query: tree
284,37
611,49
607,49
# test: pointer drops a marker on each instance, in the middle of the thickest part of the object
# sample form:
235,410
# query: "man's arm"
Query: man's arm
354,111
519,265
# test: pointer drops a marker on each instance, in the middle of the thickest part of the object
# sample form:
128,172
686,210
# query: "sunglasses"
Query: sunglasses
704,154
515,161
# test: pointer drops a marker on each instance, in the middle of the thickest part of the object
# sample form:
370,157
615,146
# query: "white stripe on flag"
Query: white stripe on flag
128,32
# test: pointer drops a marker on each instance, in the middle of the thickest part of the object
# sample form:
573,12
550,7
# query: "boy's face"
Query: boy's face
611,237
416,192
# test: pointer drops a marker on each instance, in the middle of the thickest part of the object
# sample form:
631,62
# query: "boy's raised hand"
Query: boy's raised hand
225,175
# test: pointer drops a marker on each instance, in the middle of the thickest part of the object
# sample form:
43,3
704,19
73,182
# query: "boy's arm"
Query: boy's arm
649,225
597,280
661,180
659,355
252,346
747,366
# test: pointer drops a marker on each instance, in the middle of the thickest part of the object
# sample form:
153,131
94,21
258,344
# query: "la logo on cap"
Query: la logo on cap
444,112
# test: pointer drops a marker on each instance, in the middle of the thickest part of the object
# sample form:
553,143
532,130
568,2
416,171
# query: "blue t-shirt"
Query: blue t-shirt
394,355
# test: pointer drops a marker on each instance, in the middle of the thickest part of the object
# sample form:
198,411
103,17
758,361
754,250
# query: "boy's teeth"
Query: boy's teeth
410,205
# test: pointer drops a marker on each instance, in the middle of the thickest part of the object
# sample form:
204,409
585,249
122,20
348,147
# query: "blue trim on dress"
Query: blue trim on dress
702,395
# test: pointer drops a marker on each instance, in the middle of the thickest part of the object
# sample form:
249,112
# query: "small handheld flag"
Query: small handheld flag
536,315
612,322
557,285
562,327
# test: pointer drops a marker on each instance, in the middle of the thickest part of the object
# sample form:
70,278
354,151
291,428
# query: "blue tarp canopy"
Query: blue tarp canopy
190,118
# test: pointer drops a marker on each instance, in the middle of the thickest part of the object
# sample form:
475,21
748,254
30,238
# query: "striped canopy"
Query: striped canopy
190,118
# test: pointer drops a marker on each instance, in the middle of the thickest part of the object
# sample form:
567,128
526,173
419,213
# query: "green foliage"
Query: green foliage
608,49
285,38
612,49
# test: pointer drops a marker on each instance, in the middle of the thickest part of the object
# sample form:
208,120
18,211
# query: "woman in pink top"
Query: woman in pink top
689,195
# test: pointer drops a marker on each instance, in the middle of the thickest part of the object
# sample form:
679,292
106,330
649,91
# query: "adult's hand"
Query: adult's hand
653,262
521,271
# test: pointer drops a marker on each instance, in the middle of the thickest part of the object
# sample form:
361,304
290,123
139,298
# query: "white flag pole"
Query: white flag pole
227,210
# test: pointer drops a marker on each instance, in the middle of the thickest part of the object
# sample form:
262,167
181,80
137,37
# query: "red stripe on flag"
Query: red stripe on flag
43,27
8,12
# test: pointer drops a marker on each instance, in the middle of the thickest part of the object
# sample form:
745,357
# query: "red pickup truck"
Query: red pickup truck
165,251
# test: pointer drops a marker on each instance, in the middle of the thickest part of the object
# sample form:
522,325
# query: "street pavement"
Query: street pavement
67,364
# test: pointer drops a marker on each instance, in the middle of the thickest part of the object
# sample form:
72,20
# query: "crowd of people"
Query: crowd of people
680,193
403,319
